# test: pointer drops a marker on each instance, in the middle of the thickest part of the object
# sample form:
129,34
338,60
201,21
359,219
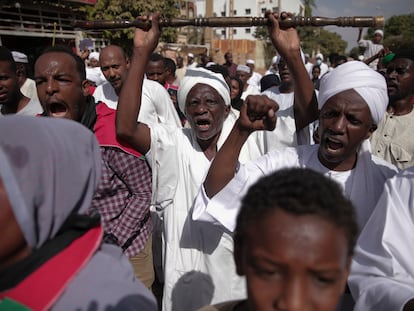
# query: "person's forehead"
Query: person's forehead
57,59
112,56
6,67
202,88
401,62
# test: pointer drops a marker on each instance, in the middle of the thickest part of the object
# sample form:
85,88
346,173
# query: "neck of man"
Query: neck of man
15,105
209,146
401,107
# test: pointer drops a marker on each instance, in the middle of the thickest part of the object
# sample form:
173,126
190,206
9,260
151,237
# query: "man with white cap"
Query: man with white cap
197,257
255,78
12,99
27,85
244,73
190,61
371,47
93,71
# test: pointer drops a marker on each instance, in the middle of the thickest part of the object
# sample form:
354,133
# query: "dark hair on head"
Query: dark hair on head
6,56
298,191
219,69
169,64
155,57
80,64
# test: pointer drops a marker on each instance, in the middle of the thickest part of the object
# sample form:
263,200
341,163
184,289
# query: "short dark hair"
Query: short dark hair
169,64
298,191
155,57
6,56
80,64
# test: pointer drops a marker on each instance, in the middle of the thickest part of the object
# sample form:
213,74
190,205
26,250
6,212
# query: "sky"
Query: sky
336,8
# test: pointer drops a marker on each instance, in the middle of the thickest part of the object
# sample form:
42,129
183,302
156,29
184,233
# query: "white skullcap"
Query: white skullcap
20,57
190,55
201,75
243,68
275,59
210,64
368,83
250,61
379,32
93,55
319,55
361,57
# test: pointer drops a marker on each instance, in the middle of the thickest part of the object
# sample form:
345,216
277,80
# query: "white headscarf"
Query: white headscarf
200,75
368,83
50,169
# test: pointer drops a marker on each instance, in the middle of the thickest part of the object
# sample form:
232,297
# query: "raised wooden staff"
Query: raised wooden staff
345,21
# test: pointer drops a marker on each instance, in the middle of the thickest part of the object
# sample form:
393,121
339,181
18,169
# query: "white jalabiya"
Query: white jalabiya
284,135
251,90
198,257
156,105
382,275
362,185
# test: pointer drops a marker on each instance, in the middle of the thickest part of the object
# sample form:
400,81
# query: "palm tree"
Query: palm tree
309,4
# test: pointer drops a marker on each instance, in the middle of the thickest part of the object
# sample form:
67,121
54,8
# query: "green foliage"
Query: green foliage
128,10
327,42
399,32
309,4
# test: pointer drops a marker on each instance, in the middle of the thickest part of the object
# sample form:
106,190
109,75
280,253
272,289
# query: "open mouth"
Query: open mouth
57,110
203,124
333,144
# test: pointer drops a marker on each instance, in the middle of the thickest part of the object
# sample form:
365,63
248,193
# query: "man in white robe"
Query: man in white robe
343,153
382,274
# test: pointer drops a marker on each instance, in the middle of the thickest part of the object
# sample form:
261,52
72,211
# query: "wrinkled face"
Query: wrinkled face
9,85
235,89
400,79
205,111
156,71
114,66
345,121
292,262
60,89
12,243
284,72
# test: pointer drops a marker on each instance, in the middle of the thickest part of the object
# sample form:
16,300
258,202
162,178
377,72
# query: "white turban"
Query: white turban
243,68
201,75
368,83
93,55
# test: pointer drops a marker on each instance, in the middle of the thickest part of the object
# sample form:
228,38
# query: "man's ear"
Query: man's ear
85,88
371,130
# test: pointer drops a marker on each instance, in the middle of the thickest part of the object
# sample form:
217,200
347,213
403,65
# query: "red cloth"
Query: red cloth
105,130
56,273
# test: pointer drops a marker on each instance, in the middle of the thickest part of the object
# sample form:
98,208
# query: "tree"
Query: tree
309,4
128,10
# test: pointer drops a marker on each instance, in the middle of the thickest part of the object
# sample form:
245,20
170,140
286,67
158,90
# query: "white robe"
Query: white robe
198,257
156,106
382,274
362,185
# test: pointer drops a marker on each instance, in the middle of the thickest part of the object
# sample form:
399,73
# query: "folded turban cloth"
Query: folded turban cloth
201,75
93,55
368,83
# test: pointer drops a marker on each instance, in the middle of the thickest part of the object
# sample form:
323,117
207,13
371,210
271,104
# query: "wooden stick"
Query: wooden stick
350,21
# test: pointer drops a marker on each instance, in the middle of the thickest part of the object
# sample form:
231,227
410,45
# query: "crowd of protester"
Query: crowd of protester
141,182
